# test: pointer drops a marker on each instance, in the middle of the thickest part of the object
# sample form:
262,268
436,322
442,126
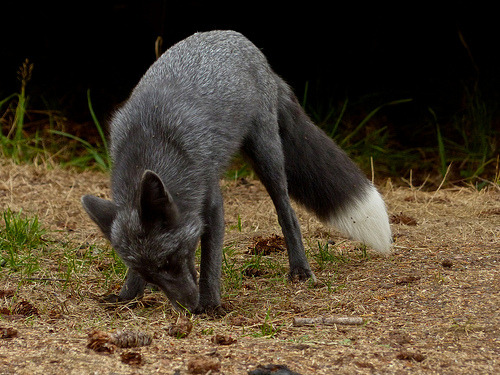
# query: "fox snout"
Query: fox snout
182,291
184,299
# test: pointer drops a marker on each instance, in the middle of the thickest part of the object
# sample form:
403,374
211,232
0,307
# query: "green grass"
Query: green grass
469,140
362,136
325,256
233,277
268,329
28,252
443,167
237,268
330,256
13,140
95,154
465,145
469,143
75,263
476,142
33,136
20,243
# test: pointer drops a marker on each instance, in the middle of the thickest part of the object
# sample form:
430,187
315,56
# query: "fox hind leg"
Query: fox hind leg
263,148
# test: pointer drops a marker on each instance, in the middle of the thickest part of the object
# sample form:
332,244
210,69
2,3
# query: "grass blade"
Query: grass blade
339,118
97,123
368,118
441,149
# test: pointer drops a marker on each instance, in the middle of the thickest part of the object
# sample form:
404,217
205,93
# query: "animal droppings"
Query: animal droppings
202,365
403,219
267,245
7,333
409,356
223,340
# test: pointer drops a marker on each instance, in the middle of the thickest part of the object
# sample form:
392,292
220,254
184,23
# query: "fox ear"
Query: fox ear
101,211
155,202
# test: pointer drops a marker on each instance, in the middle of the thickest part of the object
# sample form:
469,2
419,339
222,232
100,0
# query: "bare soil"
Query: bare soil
431,307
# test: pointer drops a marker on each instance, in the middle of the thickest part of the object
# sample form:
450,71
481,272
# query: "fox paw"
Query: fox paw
113,300
213,311
301,274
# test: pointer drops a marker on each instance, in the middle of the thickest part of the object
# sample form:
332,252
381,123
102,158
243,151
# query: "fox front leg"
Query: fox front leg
211,252
132,288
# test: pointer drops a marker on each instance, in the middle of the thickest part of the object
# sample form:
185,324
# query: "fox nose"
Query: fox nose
188,302
183,297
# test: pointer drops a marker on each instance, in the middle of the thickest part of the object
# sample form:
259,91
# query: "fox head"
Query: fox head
152,239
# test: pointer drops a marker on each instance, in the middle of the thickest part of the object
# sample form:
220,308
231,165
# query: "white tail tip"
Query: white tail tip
366,220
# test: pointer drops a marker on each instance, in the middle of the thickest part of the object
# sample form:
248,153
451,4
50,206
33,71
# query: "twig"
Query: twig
158,45
440,185
328,321
444,179
44,279
373,169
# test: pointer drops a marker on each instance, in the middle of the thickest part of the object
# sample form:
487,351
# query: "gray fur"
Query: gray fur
204,99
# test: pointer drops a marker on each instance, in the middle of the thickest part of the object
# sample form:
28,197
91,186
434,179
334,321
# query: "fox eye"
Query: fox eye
164,266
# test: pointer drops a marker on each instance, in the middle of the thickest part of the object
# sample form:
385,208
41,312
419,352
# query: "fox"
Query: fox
205,99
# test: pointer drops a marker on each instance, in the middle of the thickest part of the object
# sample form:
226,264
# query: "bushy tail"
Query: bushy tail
322,177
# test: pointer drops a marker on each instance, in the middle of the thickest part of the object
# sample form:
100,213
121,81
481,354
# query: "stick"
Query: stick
158,45
44,279
328,321
373,169
440,185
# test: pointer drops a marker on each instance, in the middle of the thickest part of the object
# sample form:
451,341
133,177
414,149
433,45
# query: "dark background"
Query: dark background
369,54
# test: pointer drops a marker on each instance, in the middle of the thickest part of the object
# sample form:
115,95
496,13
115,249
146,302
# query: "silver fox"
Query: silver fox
206,98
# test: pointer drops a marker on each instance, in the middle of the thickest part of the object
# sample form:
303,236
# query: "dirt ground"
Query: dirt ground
430,308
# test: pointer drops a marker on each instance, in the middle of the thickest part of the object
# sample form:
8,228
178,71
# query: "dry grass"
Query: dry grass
432,307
